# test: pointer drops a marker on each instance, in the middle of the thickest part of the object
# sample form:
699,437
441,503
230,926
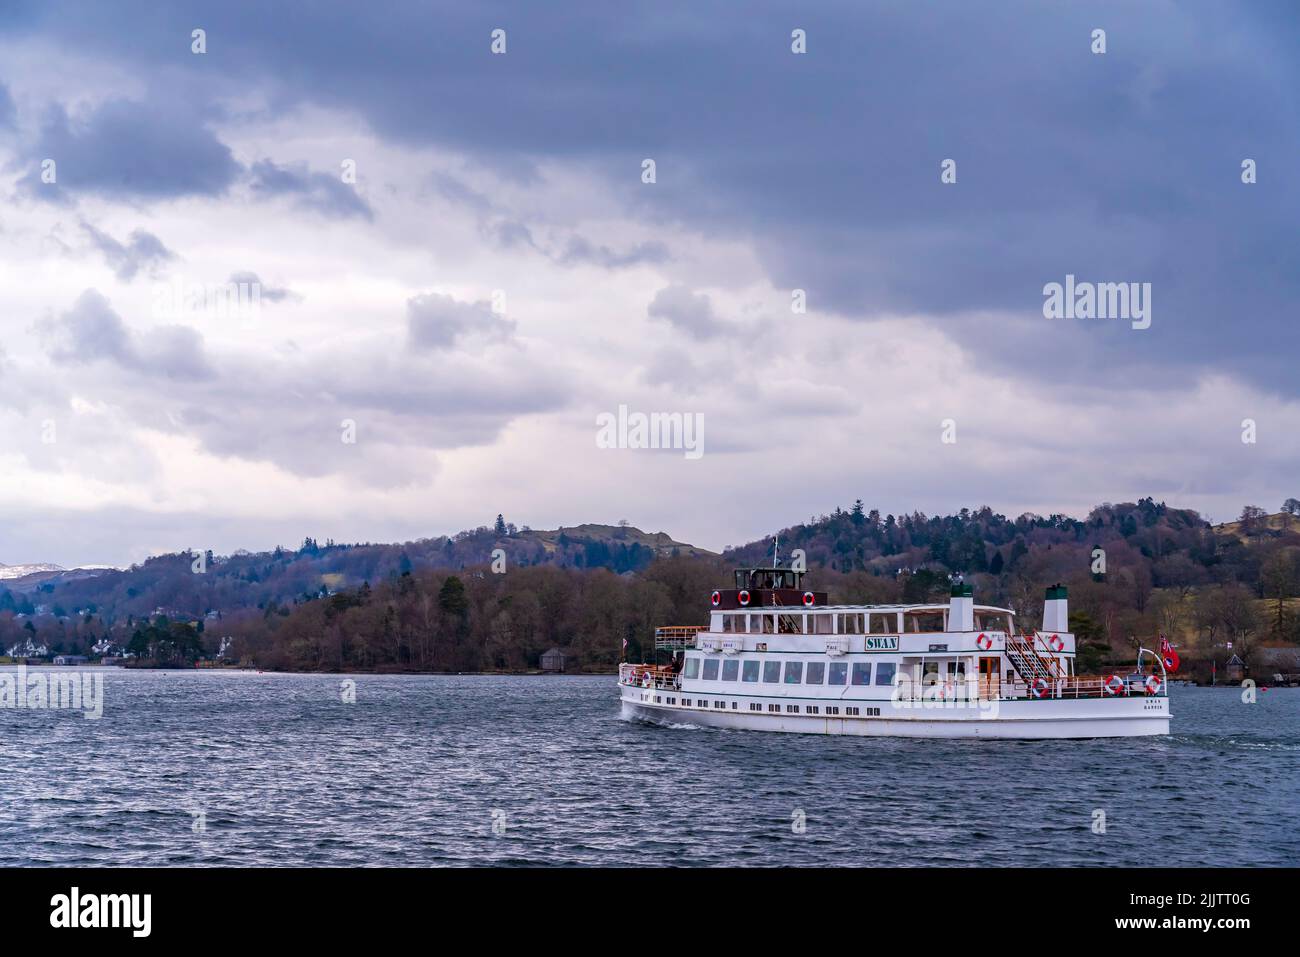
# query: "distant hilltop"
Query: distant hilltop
22,571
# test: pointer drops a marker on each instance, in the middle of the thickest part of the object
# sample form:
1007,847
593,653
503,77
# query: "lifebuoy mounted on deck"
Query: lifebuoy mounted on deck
1153,684
716,599
1039,688
743,596
646,680
1055,643
983,642
1114,684
809,599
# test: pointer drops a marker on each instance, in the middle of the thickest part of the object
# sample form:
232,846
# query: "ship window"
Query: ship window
793,672
832,710
710,669
730,669
853,711
729,623
839,673
850,623
791,624
992,621
919,622
771,671
792,709
755,706
816,672
750,671
820,624
812,709
886,624
768,621
862,673
885,673
774,707
692,668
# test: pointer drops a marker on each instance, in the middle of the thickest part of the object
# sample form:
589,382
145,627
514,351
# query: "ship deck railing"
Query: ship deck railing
677,637
982,688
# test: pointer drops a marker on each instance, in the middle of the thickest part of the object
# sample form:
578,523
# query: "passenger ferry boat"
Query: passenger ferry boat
775,657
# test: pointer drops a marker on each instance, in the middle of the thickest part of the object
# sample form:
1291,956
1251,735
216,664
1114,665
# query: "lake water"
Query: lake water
239,768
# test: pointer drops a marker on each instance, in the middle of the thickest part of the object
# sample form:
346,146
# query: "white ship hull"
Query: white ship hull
1089,718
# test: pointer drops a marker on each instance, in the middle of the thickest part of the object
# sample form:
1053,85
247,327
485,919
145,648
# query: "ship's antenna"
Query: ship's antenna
776,539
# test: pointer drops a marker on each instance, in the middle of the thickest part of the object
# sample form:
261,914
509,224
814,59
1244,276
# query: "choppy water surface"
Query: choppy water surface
417,771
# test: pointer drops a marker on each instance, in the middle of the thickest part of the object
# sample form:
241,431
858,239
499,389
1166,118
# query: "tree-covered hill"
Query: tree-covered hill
496,597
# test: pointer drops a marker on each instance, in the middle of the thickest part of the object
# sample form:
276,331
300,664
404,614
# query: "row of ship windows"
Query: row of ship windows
793,673
848,623
831,710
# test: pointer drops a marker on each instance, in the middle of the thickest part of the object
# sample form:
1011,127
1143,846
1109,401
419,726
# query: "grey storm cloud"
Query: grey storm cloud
314,190
129,149
435,321
91,331
579,250
687,311
1116,167
142,250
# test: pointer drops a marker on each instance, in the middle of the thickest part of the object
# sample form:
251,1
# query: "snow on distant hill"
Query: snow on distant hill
18,571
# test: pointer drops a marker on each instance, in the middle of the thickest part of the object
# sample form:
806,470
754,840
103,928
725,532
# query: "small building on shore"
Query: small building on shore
1234,668
557,660
71,660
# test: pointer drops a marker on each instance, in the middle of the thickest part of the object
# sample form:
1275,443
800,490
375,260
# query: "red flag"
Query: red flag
1168,655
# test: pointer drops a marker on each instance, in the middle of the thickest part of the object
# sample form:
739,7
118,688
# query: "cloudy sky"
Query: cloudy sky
460,264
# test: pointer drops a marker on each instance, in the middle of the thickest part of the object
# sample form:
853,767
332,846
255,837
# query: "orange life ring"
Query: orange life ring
743,596
983,642
1056,643
716,599
1153,684
1114,684
1039,687
809,599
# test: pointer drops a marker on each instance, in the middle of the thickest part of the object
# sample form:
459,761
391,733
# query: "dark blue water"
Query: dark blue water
418,770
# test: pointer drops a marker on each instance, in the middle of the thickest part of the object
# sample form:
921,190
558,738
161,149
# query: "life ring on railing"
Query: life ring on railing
1114,684
716,599
743,596
1038,688
983,642
1152,684
809,599
1056,643
647,681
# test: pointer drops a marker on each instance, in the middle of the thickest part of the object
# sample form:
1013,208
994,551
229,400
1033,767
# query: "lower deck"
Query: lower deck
923,717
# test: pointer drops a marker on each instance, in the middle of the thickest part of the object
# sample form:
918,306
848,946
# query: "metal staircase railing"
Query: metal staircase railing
1029,664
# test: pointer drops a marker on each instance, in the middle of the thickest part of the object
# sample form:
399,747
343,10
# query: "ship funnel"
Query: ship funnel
961,609
1056,611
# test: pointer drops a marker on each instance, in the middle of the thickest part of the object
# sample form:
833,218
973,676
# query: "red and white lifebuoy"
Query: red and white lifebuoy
1056,643
1114,684
809,599
1038,688
1153,684
716,599
646,680
743,597
983,642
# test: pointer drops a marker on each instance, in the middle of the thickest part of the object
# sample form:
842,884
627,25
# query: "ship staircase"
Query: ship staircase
1031,664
